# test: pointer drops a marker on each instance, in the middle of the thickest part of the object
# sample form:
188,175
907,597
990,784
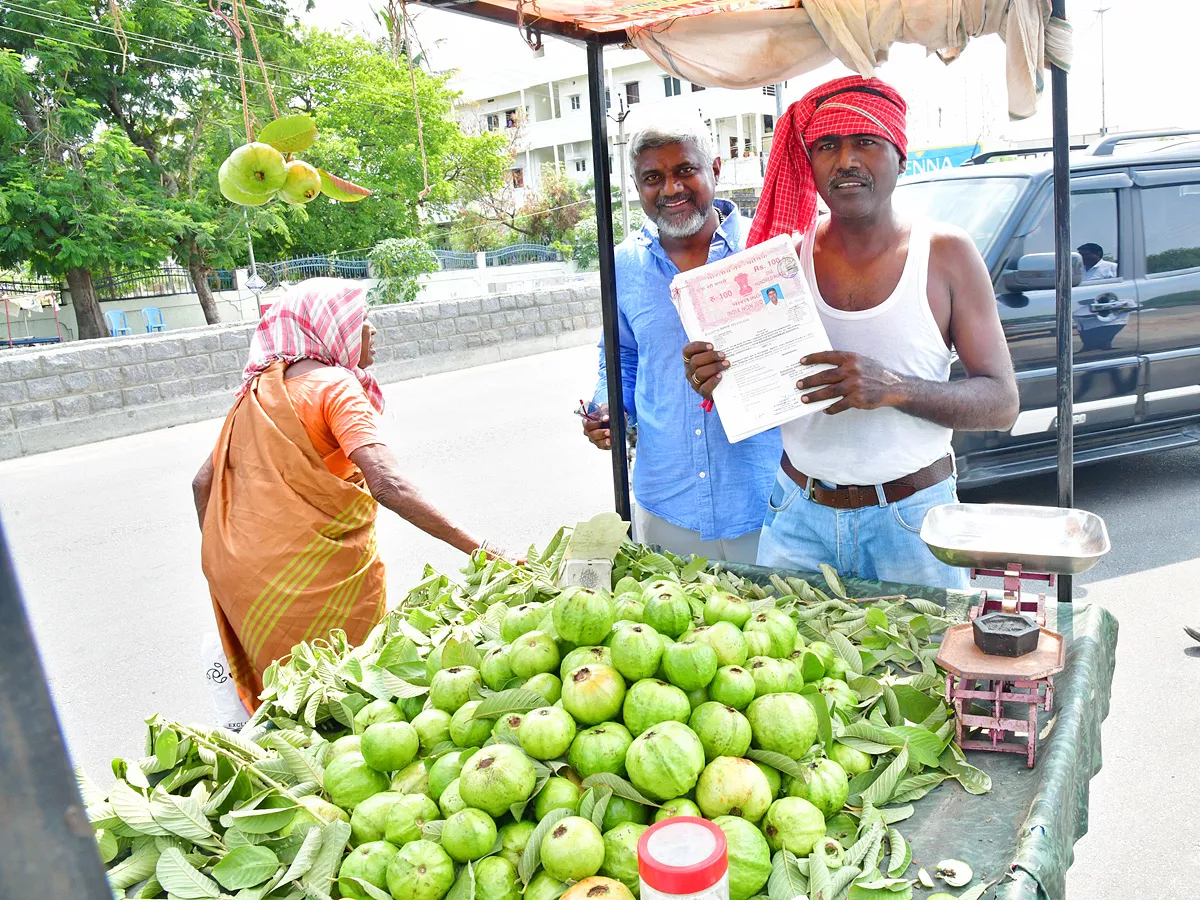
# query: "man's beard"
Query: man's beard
678,229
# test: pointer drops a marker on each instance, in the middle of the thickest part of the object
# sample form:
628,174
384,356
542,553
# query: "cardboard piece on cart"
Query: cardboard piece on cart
591,550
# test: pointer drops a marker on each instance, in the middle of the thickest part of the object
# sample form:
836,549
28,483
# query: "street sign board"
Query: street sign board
255,283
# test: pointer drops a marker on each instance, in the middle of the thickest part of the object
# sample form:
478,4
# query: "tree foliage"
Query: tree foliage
362,101
109,148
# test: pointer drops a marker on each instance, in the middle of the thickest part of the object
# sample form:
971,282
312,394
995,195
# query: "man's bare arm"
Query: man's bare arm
986,400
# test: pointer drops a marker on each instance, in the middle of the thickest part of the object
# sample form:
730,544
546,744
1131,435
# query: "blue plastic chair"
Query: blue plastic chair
154,318
118,325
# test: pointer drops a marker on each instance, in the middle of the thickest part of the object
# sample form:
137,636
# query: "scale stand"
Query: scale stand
1014,543
1012,600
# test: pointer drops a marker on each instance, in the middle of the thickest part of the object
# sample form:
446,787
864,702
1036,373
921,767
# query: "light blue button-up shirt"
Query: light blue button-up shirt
687,472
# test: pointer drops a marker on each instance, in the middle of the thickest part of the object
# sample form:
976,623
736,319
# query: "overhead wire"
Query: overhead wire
164,43
52,18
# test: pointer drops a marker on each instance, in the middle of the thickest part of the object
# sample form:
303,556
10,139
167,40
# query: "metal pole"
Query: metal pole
608,278
1062,293
47,840
1103,98
253,265
621,155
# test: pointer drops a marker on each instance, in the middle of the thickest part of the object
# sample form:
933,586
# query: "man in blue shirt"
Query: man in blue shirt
694,491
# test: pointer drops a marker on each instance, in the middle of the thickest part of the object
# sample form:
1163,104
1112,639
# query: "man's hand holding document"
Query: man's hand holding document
757,309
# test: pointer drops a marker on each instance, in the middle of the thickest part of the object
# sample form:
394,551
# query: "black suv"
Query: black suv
1135,225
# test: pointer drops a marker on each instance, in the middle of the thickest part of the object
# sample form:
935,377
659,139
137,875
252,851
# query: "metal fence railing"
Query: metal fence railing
35,286
144,284
520,254
221,280
454,259
291,271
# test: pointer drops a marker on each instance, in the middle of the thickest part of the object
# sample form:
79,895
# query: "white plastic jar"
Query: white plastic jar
683,858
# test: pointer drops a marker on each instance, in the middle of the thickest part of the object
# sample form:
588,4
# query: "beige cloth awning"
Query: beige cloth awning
780,39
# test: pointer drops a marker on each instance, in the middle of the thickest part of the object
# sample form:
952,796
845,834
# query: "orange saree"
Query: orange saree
288,548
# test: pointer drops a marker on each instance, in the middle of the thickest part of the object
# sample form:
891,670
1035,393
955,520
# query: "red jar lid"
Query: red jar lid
682,855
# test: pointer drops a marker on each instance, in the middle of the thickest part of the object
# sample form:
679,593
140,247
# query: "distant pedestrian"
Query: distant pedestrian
288,498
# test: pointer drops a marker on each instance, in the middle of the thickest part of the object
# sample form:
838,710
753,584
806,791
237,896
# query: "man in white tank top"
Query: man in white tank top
895,296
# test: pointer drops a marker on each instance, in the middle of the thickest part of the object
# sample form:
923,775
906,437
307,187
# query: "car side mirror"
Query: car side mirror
1035,272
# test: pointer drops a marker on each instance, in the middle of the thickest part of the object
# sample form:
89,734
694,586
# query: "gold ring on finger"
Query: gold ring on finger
696,380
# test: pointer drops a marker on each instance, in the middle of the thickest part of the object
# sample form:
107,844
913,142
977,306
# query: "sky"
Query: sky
1150,70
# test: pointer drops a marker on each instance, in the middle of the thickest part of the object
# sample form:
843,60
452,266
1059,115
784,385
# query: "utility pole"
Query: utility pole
619,144
1103,104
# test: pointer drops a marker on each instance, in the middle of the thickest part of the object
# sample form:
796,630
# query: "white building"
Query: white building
548,117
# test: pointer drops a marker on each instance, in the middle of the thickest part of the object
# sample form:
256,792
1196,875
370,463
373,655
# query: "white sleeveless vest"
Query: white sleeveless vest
873,446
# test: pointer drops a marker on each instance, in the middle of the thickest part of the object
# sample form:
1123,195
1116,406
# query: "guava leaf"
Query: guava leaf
290,134
917,786
915,704
304,856
507,702
587,802
953,761
786,881
263,820
811,667
432,830
398,687
245,867
134,810
784,764
328,858
620,787
847,651
604,795
376,894
890,815
899,853
138,866
831,579
342,190
398,651
181,816
180,878
882,788
464,886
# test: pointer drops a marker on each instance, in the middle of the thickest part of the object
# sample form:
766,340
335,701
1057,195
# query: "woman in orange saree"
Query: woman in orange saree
287,500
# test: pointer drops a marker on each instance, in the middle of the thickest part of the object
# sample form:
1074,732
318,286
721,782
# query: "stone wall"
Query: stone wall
93,390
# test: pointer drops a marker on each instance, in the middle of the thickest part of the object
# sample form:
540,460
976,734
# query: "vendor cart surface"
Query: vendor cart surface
1022,833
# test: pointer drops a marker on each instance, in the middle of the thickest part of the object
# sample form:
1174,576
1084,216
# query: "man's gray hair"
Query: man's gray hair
680,131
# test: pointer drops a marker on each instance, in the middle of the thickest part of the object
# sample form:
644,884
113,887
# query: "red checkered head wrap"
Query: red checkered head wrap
321,319
850,105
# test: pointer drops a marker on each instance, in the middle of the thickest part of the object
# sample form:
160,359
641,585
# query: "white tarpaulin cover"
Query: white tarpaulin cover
747,43
778,44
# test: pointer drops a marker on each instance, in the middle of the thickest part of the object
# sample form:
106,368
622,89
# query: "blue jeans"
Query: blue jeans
881,543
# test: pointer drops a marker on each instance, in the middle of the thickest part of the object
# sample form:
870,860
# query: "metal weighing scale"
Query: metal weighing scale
1012,542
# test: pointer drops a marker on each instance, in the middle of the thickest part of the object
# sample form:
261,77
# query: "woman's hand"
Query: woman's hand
703,366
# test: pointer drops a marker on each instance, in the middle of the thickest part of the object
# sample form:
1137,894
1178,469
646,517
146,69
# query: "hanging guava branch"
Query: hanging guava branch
258,172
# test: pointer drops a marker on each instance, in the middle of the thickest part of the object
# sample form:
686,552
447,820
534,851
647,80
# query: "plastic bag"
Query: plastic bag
231,712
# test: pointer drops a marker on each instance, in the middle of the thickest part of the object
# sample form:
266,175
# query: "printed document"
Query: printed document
757,309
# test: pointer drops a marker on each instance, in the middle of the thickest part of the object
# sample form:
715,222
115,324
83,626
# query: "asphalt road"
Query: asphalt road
107,549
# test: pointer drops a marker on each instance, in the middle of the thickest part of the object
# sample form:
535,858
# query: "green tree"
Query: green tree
180,102
362,101
75,196
167,79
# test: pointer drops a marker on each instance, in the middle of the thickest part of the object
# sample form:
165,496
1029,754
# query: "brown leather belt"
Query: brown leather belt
857,496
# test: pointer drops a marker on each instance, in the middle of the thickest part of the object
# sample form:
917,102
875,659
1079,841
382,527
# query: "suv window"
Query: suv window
1171,224
977,205
1093,233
